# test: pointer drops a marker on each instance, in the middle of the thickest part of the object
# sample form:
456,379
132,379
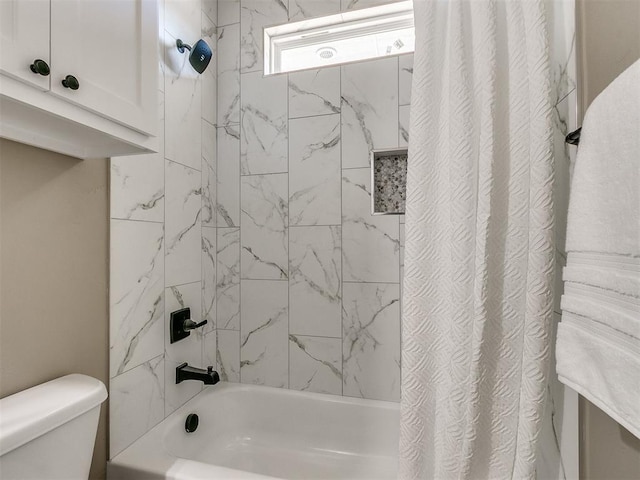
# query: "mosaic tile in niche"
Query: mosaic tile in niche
389,181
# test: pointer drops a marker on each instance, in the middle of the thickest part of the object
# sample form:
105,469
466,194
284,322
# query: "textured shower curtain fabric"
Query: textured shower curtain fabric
479,232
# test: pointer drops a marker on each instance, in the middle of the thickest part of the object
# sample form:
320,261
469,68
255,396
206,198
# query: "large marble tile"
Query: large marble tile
315,281
210,76
186,350
228,12
264,227
254,16
371,341
403,125
228,74
228,355
263,133
564,122
136,403
558,444
210,9
548,460
228,279
369,109
228,173
263,329
568,423
210,350
161,46
209,180
137,183
137,188
562,47
314,92
316,364
209,280
405,77
182,18
301,9
136,299
183,99
183,229
557,456
314,171
370,243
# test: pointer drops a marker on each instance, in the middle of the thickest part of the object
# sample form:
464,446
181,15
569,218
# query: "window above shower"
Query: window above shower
342,38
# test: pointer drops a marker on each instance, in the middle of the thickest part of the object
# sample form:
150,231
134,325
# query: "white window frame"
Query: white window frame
323,30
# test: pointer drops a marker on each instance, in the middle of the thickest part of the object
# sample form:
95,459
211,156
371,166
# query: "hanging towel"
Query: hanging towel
598,345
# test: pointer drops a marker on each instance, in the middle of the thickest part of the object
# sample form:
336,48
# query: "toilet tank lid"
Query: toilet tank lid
33,412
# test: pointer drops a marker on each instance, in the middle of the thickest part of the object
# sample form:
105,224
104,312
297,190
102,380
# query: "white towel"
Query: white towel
598,345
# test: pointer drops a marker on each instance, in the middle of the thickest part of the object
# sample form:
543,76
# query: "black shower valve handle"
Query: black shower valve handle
191,325
180,324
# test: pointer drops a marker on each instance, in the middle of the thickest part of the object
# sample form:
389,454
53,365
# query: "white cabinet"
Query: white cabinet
100,97
24,37
110,48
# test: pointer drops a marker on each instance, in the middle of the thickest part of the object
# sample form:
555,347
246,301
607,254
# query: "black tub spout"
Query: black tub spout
185,372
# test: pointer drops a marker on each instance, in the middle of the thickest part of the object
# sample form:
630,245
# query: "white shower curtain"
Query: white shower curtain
479,253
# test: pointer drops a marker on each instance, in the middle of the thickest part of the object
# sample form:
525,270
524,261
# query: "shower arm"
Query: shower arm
181,46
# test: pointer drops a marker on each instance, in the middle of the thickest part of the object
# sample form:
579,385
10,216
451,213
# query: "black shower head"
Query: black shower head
199,56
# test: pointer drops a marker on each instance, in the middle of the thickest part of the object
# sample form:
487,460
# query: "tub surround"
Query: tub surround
163,236
558,444
302,254
257,216
240,217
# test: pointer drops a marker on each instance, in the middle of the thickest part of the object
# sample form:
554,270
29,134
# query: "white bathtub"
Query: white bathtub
254,432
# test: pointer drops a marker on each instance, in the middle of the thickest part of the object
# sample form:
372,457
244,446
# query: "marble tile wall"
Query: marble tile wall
308,281
558,445
317,151
164,240
256,214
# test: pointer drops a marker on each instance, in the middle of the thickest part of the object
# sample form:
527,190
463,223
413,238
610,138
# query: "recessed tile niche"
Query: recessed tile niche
388,181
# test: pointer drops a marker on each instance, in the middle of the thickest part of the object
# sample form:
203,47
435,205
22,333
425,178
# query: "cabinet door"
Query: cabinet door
111,48
24,37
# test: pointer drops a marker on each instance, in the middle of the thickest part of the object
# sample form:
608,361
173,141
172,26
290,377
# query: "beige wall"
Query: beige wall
54,213
608,42
608,36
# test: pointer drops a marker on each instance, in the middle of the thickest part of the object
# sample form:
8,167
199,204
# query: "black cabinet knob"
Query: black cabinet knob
71,82
40,67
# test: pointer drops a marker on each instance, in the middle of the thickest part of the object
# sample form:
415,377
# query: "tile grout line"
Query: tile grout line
152,222
239,155
164,257
187,166
214,214
301,117
288,233
400,228
342,369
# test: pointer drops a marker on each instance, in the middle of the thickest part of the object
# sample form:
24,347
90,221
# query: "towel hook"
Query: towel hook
574,137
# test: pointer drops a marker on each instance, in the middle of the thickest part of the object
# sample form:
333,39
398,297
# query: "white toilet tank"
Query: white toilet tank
48,431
